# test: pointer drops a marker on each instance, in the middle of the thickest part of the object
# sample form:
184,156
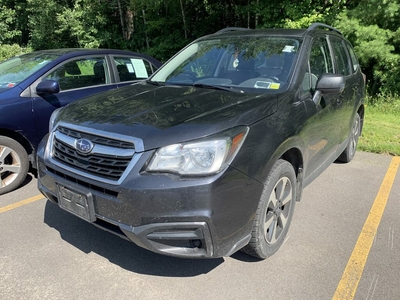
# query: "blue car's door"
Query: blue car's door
84,76
78,78
16,113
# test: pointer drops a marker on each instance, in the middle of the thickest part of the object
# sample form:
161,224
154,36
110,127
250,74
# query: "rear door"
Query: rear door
347,65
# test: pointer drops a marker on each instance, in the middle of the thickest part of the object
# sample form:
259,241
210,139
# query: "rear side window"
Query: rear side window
341,57
132,68
353,58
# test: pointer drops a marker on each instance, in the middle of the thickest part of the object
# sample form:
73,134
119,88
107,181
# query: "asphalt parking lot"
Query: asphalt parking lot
343,244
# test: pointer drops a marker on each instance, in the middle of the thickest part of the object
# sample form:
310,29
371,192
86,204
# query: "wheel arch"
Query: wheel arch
19,138
295,157
361,111
290,150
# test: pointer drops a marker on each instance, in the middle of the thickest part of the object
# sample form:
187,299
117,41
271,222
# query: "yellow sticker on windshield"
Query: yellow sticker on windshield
274,86
267,85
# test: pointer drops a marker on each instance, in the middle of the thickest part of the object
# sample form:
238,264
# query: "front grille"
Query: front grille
96,139
108,159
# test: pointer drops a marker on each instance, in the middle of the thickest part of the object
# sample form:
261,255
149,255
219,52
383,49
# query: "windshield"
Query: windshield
17,69
254,62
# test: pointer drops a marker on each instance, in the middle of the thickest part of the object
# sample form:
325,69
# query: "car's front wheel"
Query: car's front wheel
274,212
14,164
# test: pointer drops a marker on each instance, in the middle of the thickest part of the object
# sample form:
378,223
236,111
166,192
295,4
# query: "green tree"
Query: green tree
43,24
162,27
10,35
373,28
7,24
81,23
8,51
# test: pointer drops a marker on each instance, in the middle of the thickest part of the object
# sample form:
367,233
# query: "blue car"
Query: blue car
33,85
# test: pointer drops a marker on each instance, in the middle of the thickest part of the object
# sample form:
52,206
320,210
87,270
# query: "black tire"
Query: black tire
274,212
14,164
350,150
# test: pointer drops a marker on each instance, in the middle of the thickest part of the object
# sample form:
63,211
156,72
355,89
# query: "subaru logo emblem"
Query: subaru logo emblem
84,146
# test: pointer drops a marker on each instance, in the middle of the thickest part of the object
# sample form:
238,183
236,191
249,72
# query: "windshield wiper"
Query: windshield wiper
218,87
157,83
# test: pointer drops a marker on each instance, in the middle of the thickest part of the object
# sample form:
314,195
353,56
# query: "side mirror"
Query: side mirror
48,87
328,84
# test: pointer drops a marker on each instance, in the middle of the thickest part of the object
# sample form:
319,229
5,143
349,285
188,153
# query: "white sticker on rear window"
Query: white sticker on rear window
140,68
130,68
288,49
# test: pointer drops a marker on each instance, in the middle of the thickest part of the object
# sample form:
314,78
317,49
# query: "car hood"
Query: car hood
163,115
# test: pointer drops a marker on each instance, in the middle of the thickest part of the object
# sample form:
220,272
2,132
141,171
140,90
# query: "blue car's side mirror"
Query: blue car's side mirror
48,87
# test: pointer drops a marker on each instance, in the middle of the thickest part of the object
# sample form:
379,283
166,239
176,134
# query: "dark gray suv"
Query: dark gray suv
211,153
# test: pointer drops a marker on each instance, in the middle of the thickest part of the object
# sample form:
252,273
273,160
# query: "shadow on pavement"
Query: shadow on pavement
127,255
29,177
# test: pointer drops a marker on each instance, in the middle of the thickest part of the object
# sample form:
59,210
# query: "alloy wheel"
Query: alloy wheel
278,209
355,132
10,166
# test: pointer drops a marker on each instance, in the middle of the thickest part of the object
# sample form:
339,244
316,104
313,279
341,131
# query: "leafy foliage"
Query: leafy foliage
161,28
7,23
8,51
372,27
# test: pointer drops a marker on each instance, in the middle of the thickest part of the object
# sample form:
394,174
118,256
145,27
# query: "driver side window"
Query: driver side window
320,62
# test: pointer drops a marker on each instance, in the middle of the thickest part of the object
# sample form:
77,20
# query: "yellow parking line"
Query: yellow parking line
21,203
352,274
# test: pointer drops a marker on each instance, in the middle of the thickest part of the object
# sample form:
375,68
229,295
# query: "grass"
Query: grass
381,132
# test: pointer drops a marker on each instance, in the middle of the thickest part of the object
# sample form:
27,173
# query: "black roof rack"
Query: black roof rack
322,25
232,29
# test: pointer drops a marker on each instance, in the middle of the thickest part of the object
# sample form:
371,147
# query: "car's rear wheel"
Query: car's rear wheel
274,212
14,164
350,150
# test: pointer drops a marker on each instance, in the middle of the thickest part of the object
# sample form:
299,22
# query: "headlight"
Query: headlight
202,157
53,118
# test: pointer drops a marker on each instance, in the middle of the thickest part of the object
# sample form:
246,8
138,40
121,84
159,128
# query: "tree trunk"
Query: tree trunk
121,18
248,14
145,31
257,15
129,24
183,19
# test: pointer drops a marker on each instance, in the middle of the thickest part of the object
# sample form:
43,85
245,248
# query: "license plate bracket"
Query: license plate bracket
76,202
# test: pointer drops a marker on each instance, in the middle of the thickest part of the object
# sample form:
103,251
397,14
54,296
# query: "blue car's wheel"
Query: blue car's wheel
14,164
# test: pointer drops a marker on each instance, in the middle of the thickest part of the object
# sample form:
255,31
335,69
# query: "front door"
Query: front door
320,132
78,78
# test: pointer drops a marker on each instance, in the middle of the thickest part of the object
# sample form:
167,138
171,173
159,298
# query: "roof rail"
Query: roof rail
232,29
318,25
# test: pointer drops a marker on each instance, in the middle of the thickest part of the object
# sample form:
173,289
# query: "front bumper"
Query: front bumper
193,218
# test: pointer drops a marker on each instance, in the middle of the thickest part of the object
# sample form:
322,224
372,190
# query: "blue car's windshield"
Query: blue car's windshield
17,69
